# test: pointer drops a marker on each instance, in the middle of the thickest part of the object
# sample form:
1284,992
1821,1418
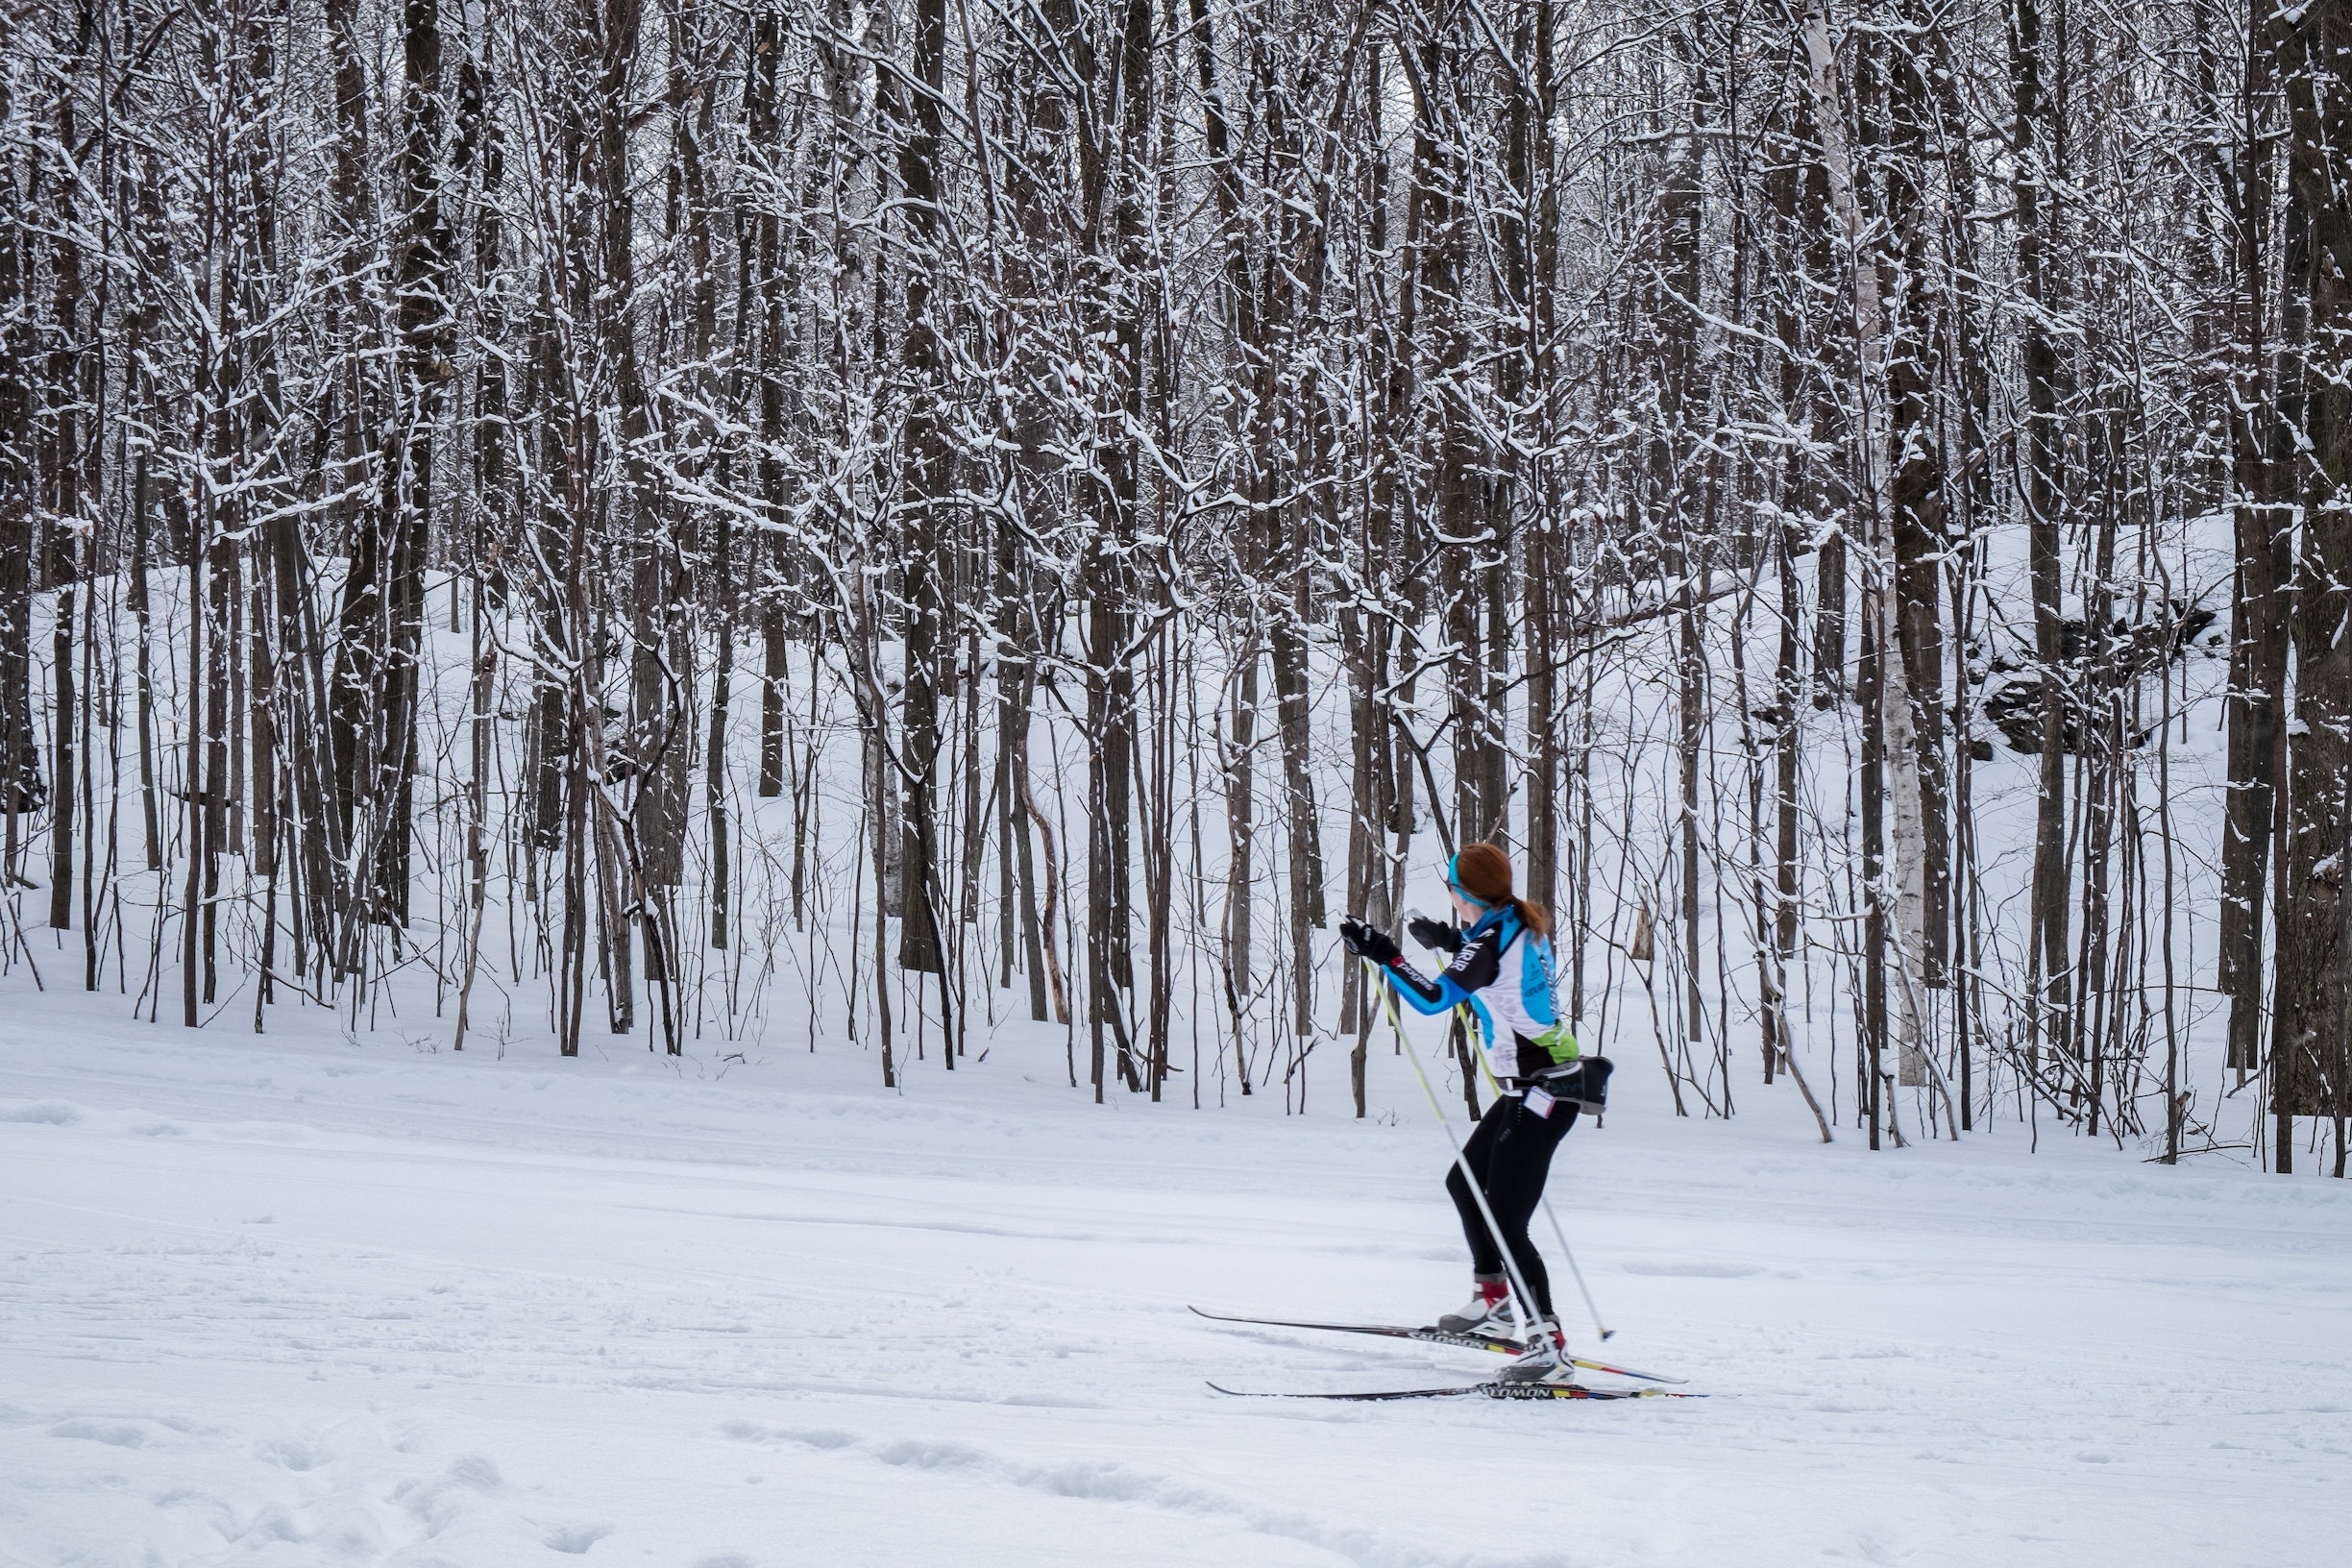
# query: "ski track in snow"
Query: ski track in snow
295,1301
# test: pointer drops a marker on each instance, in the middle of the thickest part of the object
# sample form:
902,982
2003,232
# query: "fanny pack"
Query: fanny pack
1583,1082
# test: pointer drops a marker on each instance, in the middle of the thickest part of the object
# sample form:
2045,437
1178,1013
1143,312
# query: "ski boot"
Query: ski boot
1545,1359
1489,1311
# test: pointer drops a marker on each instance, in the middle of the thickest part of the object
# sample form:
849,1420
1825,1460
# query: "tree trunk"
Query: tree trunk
1892,730
2314,50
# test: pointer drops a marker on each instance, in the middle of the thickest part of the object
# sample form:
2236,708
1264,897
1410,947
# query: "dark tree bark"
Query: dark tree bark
23,789
927,479
2032,151
2313,47
2262,524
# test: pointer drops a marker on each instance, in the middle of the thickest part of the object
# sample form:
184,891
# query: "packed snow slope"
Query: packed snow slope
307,1301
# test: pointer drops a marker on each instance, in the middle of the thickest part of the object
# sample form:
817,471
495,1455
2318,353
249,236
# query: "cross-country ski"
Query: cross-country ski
1489,1390
1499,1344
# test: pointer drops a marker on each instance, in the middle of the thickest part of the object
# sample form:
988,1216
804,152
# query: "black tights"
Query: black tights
1511,1153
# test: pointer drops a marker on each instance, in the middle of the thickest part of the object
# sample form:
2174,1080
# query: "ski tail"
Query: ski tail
1499,1344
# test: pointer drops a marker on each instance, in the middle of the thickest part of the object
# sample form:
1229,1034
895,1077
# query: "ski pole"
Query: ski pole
1462,1161
1562,1237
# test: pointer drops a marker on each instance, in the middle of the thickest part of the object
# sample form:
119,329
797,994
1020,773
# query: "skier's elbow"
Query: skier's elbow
1429,1007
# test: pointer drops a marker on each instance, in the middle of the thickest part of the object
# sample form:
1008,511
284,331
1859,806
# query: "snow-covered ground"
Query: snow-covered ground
300,1301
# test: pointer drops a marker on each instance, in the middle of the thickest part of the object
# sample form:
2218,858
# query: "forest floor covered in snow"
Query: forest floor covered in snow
307,1301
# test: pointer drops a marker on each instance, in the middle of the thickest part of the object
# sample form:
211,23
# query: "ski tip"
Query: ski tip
1260,1393
1224,1317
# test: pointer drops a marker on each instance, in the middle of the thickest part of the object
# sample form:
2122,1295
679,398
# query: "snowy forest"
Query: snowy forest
545,519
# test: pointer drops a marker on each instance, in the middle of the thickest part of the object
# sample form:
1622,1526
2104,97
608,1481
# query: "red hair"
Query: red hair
1484,871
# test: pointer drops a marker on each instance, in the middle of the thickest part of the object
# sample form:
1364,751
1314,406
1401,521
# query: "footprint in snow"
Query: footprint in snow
295,1453
476,1471
575,1539
120,1433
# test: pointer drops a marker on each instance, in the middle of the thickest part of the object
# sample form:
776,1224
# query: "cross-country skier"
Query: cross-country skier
1501,970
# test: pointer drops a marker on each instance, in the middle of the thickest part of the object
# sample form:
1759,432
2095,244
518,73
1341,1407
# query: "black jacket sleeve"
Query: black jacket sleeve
1473,969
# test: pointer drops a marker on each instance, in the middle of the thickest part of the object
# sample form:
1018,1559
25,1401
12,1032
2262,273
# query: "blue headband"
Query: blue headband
1454,881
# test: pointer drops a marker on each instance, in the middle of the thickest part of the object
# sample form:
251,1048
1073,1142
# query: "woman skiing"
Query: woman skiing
1501,970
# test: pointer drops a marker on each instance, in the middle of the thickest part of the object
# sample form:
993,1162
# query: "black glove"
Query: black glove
1363,942
1434,935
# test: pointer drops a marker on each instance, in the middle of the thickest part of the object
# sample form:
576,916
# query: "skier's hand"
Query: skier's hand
1434,935
1363,942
